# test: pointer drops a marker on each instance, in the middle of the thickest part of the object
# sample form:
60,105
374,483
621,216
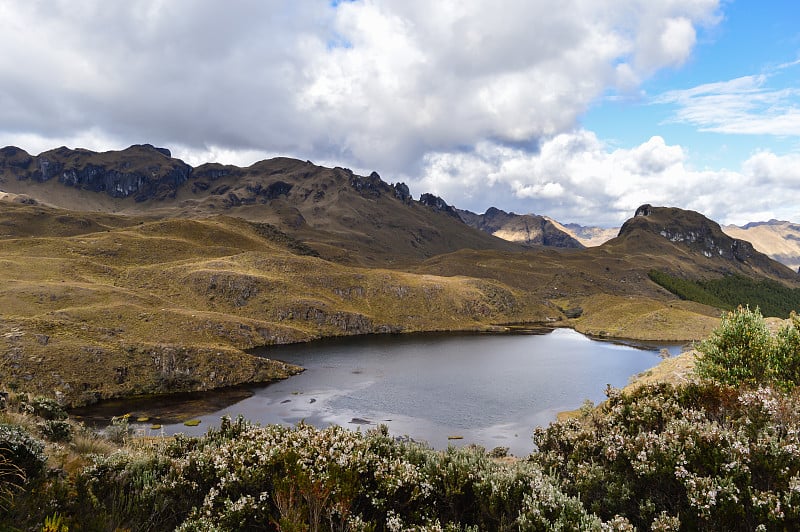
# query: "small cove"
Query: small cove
488,389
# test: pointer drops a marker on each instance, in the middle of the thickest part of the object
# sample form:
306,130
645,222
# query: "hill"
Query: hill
347,218
778,239
587,235
712,252
526,229
97,305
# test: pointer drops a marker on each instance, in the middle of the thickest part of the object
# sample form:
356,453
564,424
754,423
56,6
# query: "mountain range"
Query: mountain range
131,272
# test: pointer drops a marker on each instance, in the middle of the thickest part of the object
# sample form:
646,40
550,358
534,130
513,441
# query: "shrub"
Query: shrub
742,352
43,407
700,456
55,430
20,449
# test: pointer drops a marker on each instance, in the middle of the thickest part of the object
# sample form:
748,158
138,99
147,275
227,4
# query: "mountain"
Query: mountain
346,217
587,235
527,229
778,239
710,249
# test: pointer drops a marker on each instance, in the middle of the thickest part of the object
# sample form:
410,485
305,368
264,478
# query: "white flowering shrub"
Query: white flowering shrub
696,457
246,477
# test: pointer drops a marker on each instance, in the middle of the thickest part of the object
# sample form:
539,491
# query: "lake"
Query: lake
488,389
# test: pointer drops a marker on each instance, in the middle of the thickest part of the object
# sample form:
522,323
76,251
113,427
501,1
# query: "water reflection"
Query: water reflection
485,389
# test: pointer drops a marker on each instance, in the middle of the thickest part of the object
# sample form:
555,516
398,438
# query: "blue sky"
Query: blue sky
751,39
577,109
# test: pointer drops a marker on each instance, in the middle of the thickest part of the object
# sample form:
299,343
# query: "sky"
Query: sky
580,110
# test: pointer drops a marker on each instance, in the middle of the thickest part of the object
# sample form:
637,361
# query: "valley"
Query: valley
130,273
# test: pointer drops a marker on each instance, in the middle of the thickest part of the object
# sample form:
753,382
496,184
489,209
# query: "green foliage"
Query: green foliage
742,352
246,477
43,407
56,430
731,291
55,523
686,289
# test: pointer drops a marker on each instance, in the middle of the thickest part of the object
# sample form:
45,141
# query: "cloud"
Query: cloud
371,83
747,106
575,177
477,101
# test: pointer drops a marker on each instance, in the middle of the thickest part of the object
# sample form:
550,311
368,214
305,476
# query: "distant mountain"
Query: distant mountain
778,239
588,236
527,229
345,217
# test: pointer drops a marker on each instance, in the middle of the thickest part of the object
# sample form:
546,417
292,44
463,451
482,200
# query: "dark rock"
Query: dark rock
402,193
277,189
438,204
142,171
372,186
15,159
644,210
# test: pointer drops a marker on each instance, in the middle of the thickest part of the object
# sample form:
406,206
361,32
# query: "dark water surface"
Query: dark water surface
445,389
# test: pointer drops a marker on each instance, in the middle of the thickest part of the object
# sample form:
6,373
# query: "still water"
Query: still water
444,389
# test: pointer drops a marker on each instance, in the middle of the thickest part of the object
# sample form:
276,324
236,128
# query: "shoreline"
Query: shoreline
203,402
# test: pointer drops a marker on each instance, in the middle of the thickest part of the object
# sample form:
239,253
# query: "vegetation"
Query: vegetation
743,352
720,453
731,291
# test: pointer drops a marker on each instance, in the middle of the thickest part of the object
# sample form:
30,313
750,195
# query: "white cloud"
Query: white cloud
746,105
576,177
371,83
476,101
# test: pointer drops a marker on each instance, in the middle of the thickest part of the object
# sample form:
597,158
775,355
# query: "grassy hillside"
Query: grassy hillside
129,305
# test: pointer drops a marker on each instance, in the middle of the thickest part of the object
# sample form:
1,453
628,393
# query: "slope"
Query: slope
114,306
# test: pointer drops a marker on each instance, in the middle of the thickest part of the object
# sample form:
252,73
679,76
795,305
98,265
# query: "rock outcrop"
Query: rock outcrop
438,204
142,171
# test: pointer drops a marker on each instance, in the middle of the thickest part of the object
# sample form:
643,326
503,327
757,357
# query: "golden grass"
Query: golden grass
152,306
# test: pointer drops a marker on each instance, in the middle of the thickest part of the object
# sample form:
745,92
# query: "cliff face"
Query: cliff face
142,171
526,229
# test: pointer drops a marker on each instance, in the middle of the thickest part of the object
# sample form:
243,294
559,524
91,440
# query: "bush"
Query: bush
43,407
19,449
246,477
742,352
57,431
696,457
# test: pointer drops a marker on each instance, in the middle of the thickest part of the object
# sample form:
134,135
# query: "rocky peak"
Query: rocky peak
371,185
527,229
402,192
438,204
690,229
